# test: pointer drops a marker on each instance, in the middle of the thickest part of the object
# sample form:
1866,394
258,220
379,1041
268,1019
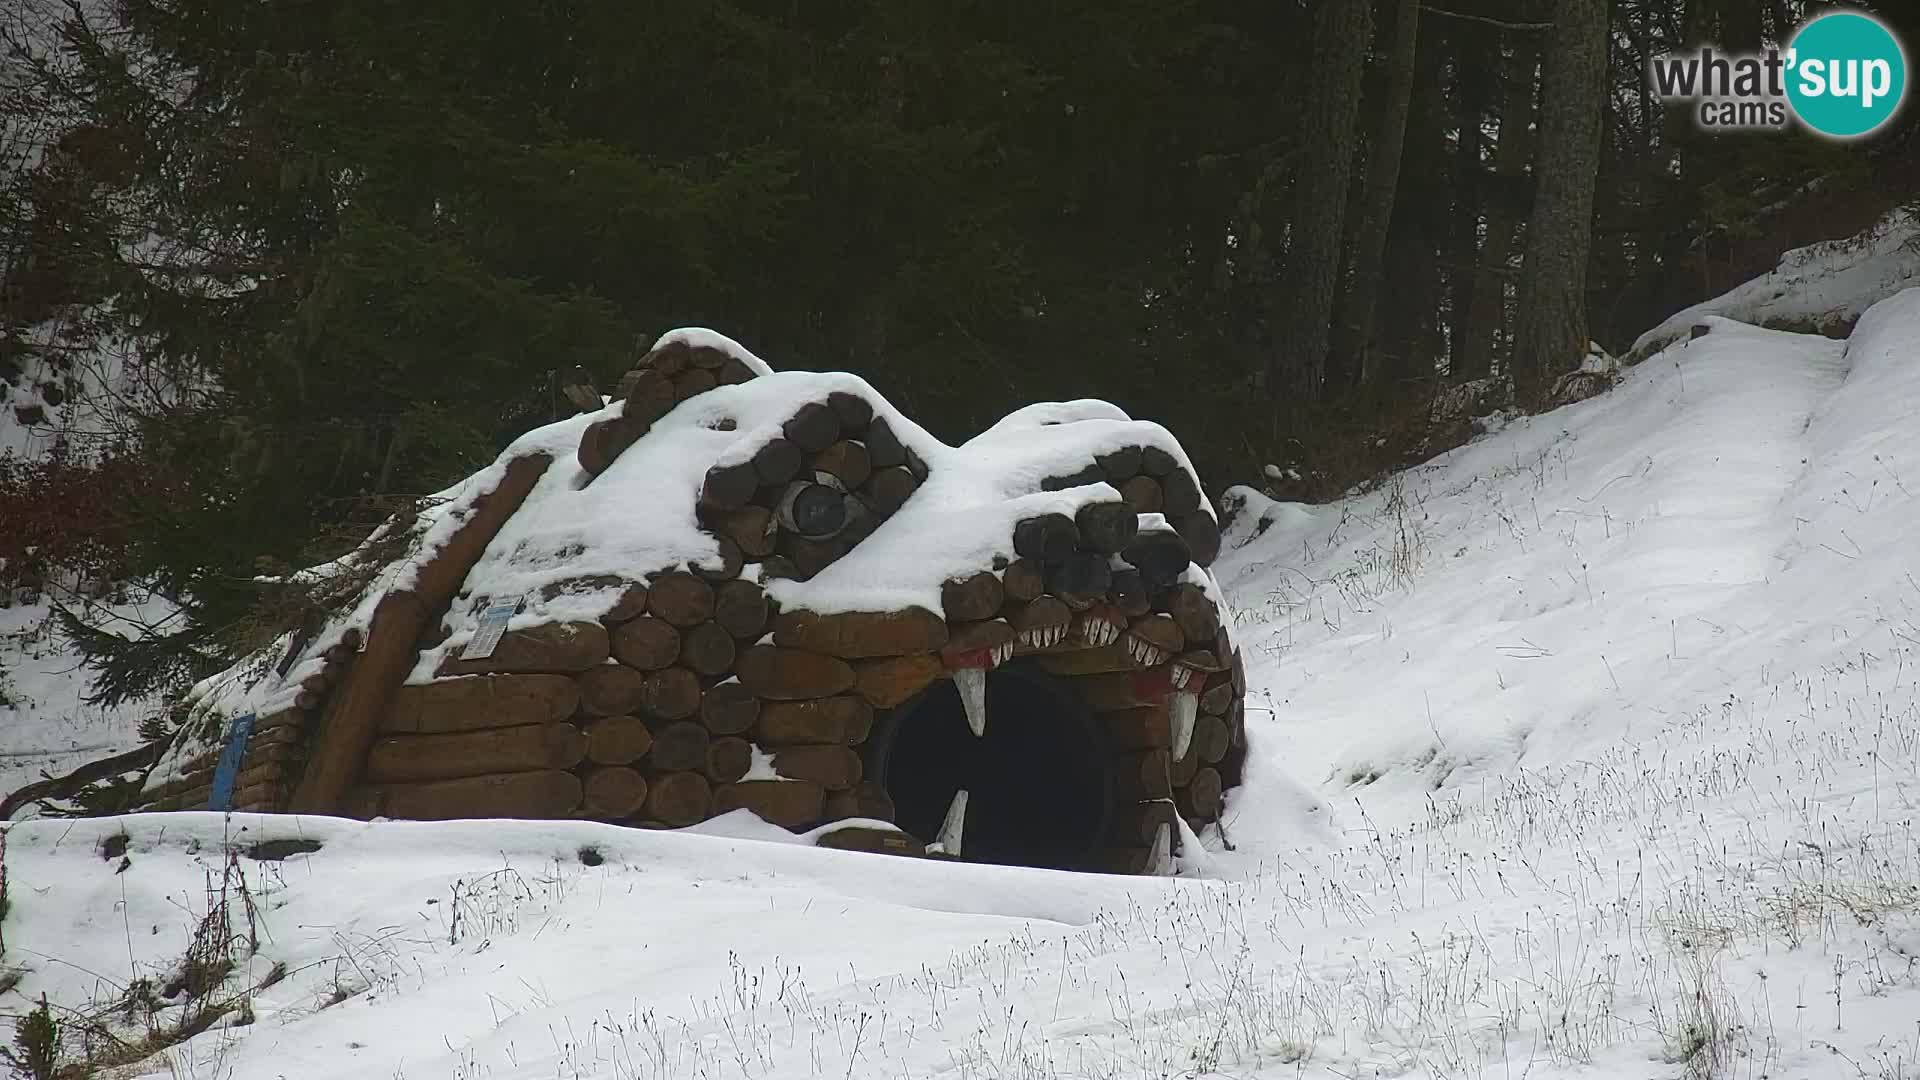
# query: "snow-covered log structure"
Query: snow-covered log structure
733,588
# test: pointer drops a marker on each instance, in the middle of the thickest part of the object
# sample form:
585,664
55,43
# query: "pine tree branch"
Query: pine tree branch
1489,20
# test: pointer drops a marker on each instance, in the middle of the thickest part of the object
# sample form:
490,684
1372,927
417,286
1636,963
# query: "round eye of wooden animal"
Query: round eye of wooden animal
813,509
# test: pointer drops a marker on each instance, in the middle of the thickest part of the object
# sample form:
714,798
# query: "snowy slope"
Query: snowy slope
1593,748
1822,286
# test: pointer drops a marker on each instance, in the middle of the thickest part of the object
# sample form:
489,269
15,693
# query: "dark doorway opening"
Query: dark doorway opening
1039,792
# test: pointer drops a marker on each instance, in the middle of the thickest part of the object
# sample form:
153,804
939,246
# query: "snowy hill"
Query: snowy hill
1593,748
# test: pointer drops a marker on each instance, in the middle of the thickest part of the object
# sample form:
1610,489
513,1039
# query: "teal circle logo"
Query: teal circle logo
1846,74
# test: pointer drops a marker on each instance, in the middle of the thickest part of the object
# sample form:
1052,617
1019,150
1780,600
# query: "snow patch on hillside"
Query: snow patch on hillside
1824,286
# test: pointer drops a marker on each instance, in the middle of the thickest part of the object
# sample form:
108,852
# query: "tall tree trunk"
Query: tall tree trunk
1473,359
1551,334
1323,166
1376,201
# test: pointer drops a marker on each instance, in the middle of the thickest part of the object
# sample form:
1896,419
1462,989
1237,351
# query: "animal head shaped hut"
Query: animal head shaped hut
733,588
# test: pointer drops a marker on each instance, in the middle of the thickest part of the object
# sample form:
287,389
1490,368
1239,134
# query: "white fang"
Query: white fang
1184,709
1160,857
972,683
956,823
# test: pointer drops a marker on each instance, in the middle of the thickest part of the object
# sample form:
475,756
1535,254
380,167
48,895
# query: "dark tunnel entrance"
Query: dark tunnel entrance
1039,791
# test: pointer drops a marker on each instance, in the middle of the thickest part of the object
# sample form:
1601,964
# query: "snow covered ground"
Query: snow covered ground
1588,748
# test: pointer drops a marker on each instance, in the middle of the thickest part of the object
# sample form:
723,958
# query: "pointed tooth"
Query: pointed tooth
1179,676
1156,655
1185,710
972,683
954,825
1160,858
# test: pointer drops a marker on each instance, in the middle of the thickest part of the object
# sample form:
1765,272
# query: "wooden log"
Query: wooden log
917,465
549,648
1106,527
867,800
1212,738
679,746
1142,495
631,604
1157,462
1161,556
753,528
728,709
351,639
1202,535
649,398
693,383
617,740
777,462
309,700
353,717
707,357
1189,606
872,841
842,719
1181,770
812,556
681,599
316,682
1239,675
860,635
1218,697
1045,613
846,461
1200,799
729,487
892,681
1142,775
971,645
794,804
888,489
1023,581
707,649
1091,474
612,792
1120,465
647,643
735,371
884,448
728,759
778,567
835,767
1080,579
670,694
972,598
599,445
1137,824
723,565
341,653
409,758
813,427
669,358
1129,594
782,674
1162,631
1046,538
1121,690
1179,494
1147,727
853,411
611,689
1099,661
678,798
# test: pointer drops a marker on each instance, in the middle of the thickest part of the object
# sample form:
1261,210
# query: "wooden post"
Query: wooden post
351,721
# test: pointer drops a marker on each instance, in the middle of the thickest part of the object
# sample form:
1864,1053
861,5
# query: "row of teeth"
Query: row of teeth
1043,638
1001,654
1101,632
1146,653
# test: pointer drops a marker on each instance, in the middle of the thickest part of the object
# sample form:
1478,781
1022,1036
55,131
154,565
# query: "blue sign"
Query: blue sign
229,767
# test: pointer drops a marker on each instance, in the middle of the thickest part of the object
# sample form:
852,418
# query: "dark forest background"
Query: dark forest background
346,247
